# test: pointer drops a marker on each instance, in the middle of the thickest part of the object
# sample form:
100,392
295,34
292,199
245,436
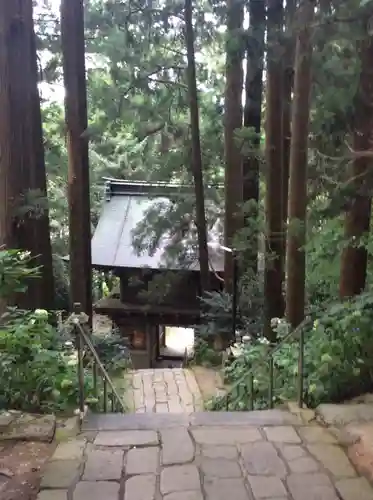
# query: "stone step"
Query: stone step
157,421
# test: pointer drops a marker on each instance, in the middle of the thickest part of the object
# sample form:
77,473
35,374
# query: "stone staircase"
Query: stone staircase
257,455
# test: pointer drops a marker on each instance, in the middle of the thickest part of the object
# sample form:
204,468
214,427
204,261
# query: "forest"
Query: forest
265,107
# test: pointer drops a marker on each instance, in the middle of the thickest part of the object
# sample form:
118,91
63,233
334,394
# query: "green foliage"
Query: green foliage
38,368
205,355
15,271
338,358
36,373
113,352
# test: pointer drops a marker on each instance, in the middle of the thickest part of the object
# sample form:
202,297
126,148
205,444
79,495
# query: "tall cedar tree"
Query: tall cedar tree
288,80
72,33
24,217
196,151
252,119
232,123
357,220
274,254
296,258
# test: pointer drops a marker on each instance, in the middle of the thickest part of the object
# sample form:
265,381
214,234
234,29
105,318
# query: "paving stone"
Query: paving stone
344,414
227,452
333,458
262,458
282,434
103,465
256,418
292,452
52,495
316,434
177,446
96,490
223,489
266,487
161,407
30,428
142,461
6,418
303,464
180,478
356,488
225,435
140,487
311,487
175,406
67,428
70,450
220,467
192,382
184,495
126,438
60,474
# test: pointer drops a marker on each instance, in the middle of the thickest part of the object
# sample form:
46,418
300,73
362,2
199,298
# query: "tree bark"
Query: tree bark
296,238
232,122
287,88
196,152
73,49
24,219
252,119
274,255
357,220
41,225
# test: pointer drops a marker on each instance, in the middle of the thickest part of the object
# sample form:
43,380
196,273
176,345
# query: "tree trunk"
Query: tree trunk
24,219
72,33
196,151
296,238
44,288
8,175
252,119
274,255
232,122
357,220
286,115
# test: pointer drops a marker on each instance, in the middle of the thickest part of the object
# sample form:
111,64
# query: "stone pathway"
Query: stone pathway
202,456
163,391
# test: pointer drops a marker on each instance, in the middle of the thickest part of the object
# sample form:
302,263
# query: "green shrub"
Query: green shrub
338,359
113,352
205,355
36,373
15,271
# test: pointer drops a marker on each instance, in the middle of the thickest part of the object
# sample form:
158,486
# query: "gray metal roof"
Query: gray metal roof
125,206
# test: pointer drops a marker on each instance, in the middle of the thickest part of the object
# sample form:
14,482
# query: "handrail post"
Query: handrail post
251,391
79,347
301,368
270,389
234,295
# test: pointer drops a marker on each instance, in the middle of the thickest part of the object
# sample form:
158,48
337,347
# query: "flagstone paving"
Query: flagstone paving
163,391
203,456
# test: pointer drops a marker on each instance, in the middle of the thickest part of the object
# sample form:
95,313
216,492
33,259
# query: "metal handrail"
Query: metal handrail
312,312
268,359
79,320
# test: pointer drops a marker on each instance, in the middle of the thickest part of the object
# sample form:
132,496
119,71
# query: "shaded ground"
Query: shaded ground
21,467
25,446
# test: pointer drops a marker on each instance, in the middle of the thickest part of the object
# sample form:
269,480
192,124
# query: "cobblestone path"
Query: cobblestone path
163,391
204,457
